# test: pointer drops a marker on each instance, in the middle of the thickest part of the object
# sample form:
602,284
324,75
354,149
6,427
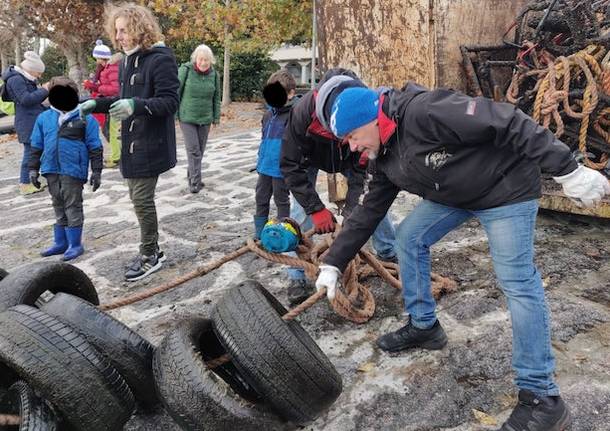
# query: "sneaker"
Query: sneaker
299,291
194,188
29,189
160,255
409,337
392,259
143,266
534,413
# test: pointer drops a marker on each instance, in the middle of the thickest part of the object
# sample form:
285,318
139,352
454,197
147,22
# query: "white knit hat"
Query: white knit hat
32,62
101,50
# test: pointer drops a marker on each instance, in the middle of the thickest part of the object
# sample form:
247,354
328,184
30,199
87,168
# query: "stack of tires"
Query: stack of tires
64,364
277,377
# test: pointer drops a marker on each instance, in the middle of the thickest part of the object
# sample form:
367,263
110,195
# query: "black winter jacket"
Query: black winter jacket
148,137
307,144
463,152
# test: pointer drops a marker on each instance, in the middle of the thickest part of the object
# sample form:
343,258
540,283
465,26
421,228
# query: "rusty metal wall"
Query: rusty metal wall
468,22
391,41
385,41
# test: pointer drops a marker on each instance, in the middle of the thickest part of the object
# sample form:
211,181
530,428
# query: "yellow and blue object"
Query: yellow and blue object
280,236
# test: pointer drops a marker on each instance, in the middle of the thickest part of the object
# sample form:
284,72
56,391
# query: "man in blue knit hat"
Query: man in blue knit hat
467,157
308,146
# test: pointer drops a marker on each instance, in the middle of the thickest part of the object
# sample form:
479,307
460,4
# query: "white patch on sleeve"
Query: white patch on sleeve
471,108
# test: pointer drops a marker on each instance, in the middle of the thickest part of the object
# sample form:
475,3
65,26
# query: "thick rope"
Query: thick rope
9,420
553,91
380,269
202,270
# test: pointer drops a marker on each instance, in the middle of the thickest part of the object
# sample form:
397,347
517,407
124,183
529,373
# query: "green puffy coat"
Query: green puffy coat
199,96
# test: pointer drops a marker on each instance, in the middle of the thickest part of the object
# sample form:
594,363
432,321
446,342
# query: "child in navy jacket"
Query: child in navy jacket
279,94
62,146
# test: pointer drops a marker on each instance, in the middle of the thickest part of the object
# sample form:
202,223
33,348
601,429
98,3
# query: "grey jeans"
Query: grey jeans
67,197
265,187
142,195
195,140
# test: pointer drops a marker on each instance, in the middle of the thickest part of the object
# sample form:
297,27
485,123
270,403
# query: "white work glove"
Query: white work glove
585,186
328,278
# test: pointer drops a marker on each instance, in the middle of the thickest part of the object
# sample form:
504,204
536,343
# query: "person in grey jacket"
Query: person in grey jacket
467,157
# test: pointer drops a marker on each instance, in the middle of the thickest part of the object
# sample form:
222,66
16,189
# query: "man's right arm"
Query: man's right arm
292,163
362,222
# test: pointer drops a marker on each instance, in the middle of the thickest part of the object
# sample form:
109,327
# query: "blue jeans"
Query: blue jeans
510,233
24,175
384,236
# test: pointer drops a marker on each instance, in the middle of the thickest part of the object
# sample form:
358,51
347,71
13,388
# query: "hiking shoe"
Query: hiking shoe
534,413
392,259
299,291
142,266
409,336
30,189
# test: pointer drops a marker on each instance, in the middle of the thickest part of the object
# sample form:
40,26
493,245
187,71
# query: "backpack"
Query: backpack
6,104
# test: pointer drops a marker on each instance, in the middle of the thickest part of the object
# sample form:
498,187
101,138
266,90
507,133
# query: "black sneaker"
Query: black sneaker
143,266
534,413
160,255
409,336
299,291
393,259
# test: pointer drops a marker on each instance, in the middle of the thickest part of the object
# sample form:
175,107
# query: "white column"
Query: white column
304,74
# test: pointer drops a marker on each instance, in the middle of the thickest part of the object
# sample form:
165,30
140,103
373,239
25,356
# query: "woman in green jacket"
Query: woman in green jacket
199,108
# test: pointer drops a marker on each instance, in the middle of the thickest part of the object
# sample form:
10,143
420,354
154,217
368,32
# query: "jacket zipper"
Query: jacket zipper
273,115
57,148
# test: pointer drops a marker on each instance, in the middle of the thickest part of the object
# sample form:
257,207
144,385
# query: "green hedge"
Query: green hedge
55,63
249,72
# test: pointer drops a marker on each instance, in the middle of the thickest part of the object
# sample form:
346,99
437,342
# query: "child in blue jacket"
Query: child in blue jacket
279,94
62,146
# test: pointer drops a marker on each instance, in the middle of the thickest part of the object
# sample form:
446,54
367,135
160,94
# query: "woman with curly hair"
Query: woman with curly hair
146,106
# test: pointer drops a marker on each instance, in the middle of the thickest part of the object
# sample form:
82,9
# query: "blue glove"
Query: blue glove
86,108
122,109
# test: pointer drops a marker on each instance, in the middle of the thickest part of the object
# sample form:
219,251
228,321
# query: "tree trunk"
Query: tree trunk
75,69
226,73
18,54
3,61
36,45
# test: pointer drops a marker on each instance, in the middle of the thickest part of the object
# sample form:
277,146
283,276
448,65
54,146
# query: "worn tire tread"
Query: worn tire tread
279,358
126,350
25,284
194,396
65,369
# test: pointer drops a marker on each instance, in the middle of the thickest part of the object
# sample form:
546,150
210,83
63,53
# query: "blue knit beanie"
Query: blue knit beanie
353,108
101,50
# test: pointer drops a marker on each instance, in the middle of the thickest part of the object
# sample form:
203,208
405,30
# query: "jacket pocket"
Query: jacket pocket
425,177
